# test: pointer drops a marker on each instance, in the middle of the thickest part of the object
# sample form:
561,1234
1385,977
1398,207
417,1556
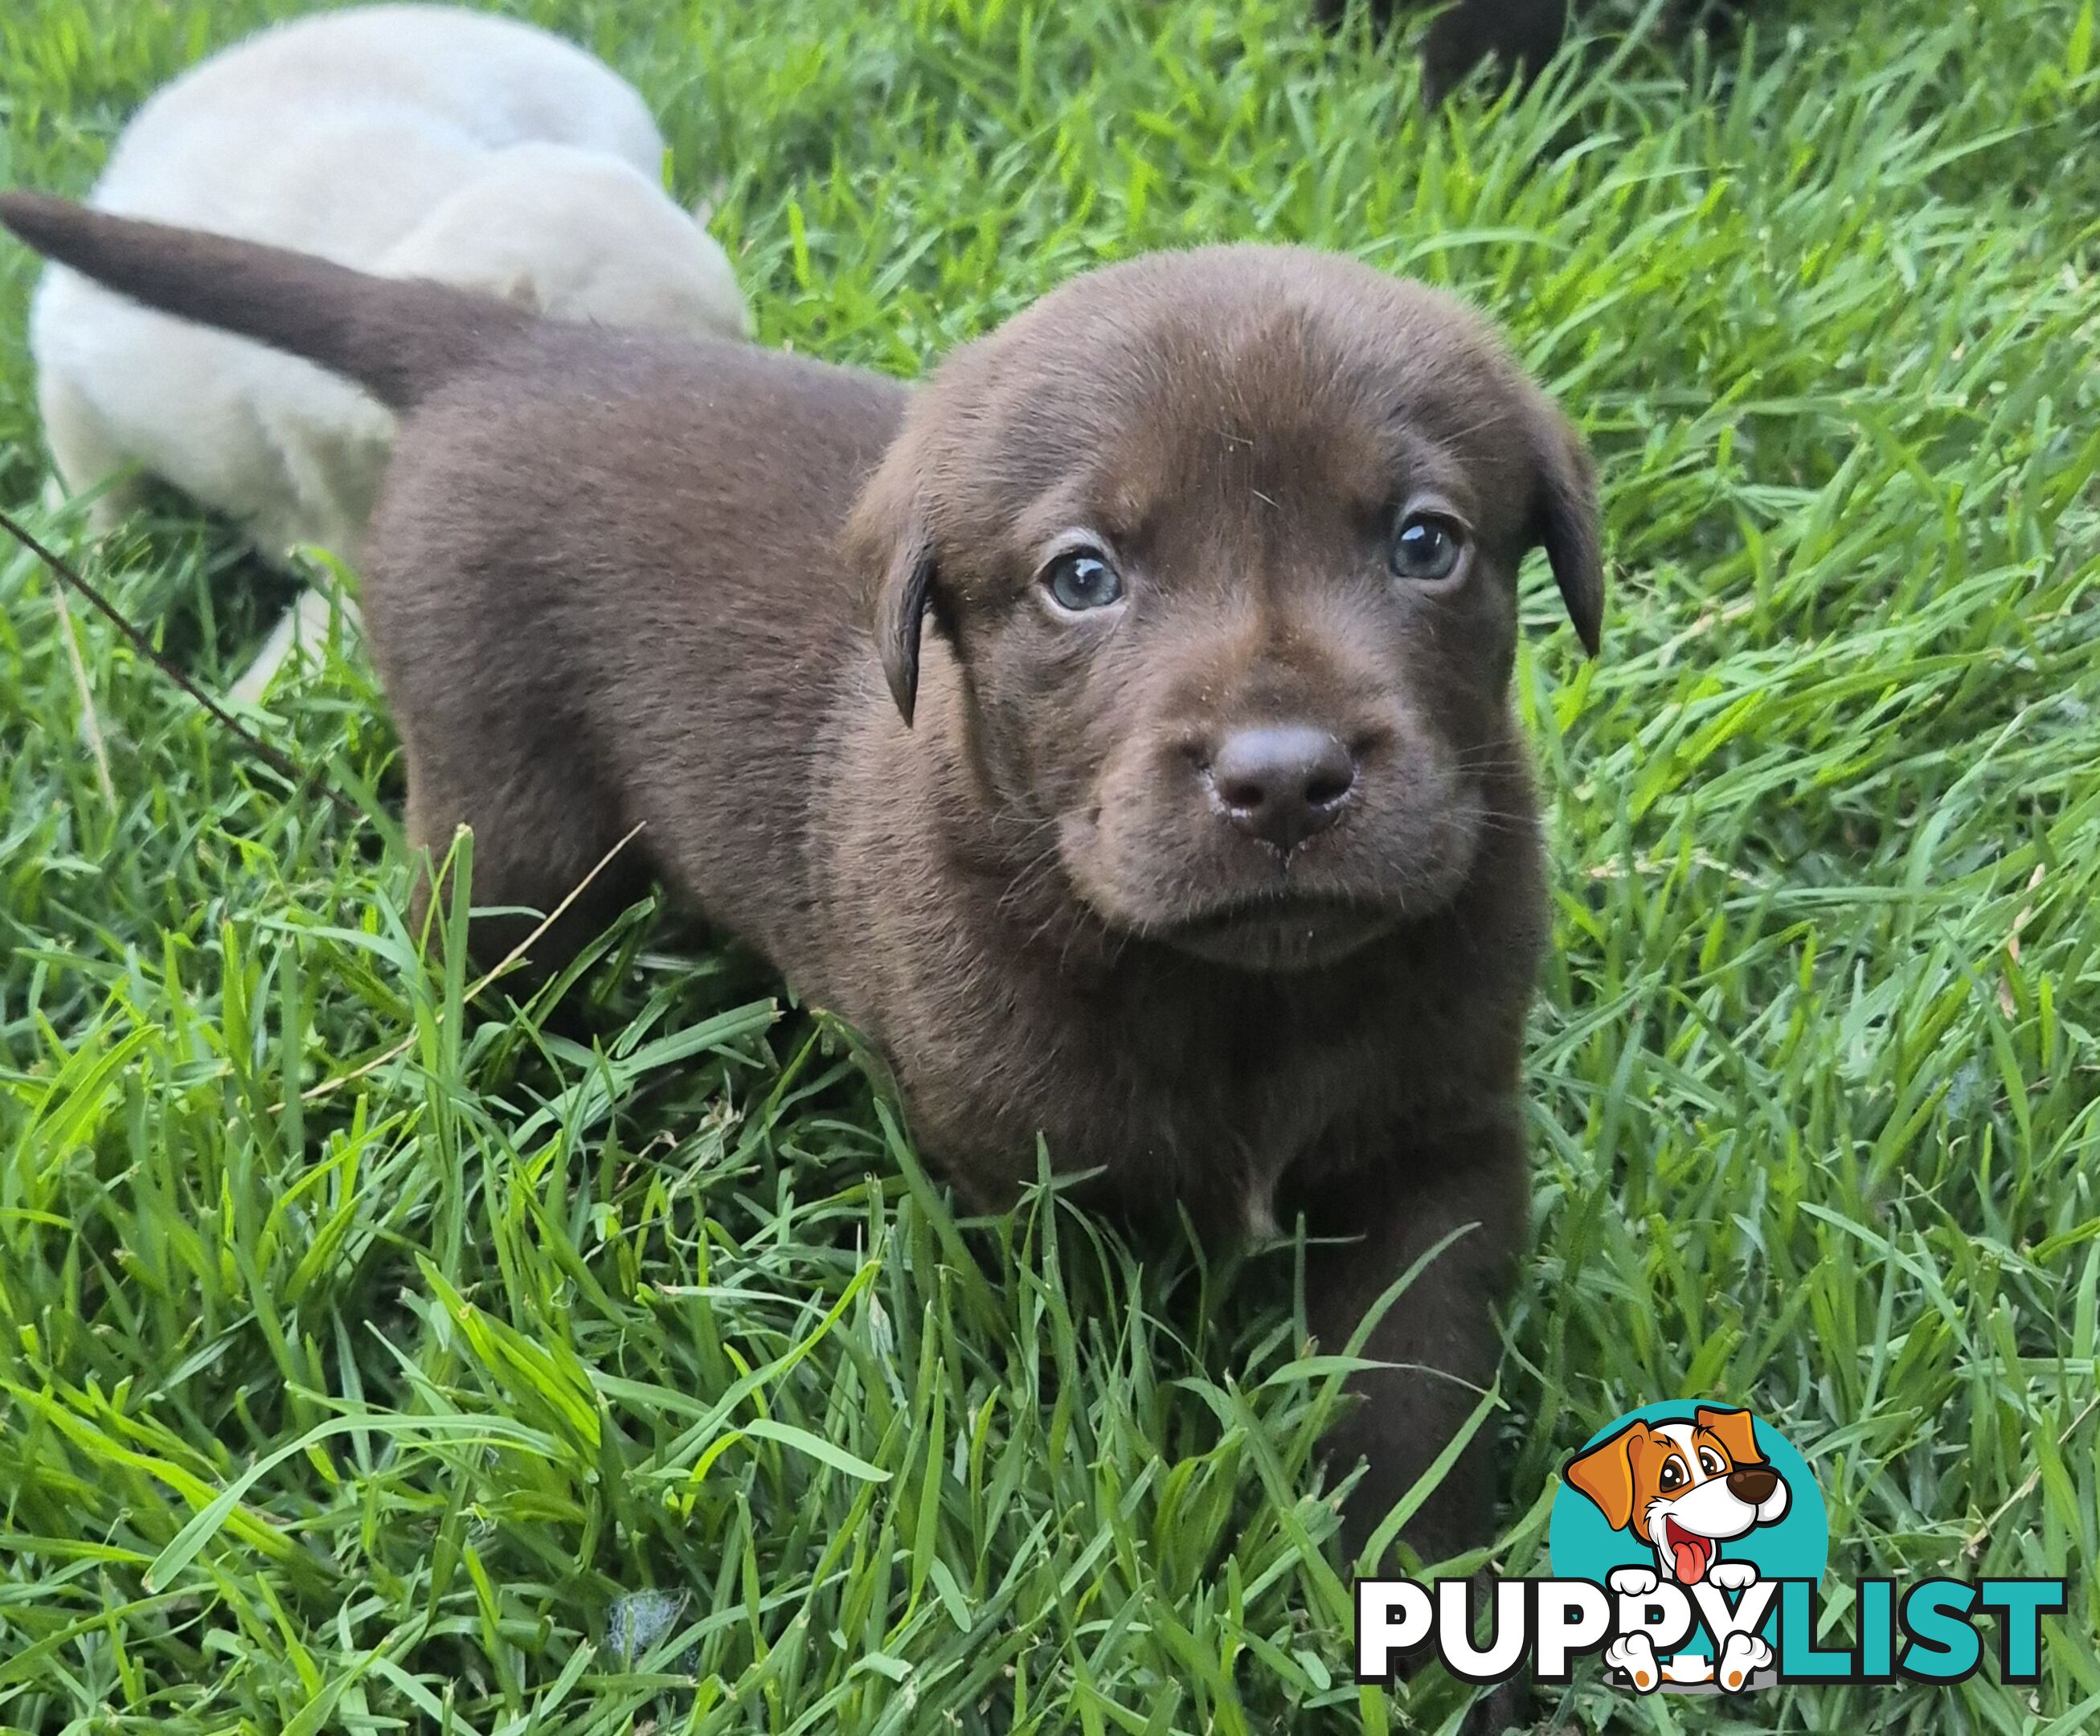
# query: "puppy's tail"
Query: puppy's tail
398,339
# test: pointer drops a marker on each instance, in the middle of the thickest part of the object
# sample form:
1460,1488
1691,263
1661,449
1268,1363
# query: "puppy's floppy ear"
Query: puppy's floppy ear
890,544
1734,1430
1605,1473
1565,521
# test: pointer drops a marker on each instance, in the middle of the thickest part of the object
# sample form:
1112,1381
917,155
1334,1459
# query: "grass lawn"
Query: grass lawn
365,1366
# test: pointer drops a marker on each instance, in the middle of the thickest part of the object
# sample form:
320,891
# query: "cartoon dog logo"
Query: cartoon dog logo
1684,1489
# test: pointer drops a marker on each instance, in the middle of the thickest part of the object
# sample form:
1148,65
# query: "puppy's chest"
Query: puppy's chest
1200,1105
1221,1131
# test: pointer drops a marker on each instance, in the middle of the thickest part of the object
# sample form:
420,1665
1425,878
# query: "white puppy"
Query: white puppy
422,141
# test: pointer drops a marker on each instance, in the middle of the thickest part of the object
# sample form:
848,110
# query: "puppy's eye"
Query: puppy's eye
1709,1462
1673,1474
1427,548
1080,579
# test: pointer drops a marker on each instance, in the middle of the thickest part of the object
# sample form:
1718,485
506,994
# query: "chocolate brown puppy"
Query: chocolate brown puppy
1117,728
1521,35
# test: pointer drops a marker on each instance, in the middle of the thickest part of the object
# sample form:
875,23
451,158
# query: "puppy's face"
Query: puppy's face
1684,1488
1225,543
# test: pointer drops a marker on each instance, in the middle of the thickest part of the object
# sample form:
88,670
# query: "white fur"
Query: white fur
422,141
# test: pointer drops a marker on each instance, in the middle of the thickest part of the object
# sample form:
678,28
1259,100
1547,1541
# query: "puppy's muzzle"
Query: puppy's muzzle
1281,783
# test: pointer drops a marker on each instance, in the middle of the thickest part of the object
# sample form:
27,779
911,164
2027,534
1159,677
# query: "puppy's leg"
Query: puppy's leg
327,448
85,451
304,627
539,828
1522,34
323,498
1470,1180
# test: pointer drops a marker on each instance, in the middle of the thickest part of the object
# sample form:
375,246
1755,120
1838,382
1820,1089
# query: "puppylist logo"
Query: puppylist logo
1688,1543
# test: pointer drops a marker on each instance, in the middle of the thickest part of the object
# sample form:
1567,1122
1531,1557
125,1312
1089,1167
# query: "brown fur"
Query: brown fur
1521,35
788,616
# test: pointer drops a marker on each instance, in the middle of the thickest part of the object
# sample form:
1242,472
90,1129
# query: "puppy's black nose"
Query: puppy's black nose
1282,782
1753,1483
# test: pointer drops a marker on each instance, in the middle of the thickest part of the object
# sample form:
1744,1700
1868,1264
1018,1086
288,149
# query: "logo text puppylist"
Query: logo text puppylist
1688,1543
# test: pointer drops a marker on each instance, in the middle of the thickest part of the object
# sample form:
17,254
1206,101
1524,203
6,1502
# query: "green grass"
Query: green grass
519,1385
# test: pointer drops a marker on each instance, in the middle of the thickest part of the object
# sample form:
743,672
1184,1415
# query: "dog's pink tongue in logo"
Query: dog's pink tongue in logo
1692,1552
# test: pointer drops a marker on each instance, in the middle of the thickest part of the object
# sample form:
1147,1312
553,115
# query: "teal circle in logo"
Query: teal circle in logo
1679,1487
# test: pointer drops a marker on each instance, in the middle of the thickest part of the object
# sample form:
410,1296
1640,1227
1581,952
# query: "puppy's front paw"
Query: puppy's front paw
1635,1657
1733,1576
1632,1582
1742,1656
